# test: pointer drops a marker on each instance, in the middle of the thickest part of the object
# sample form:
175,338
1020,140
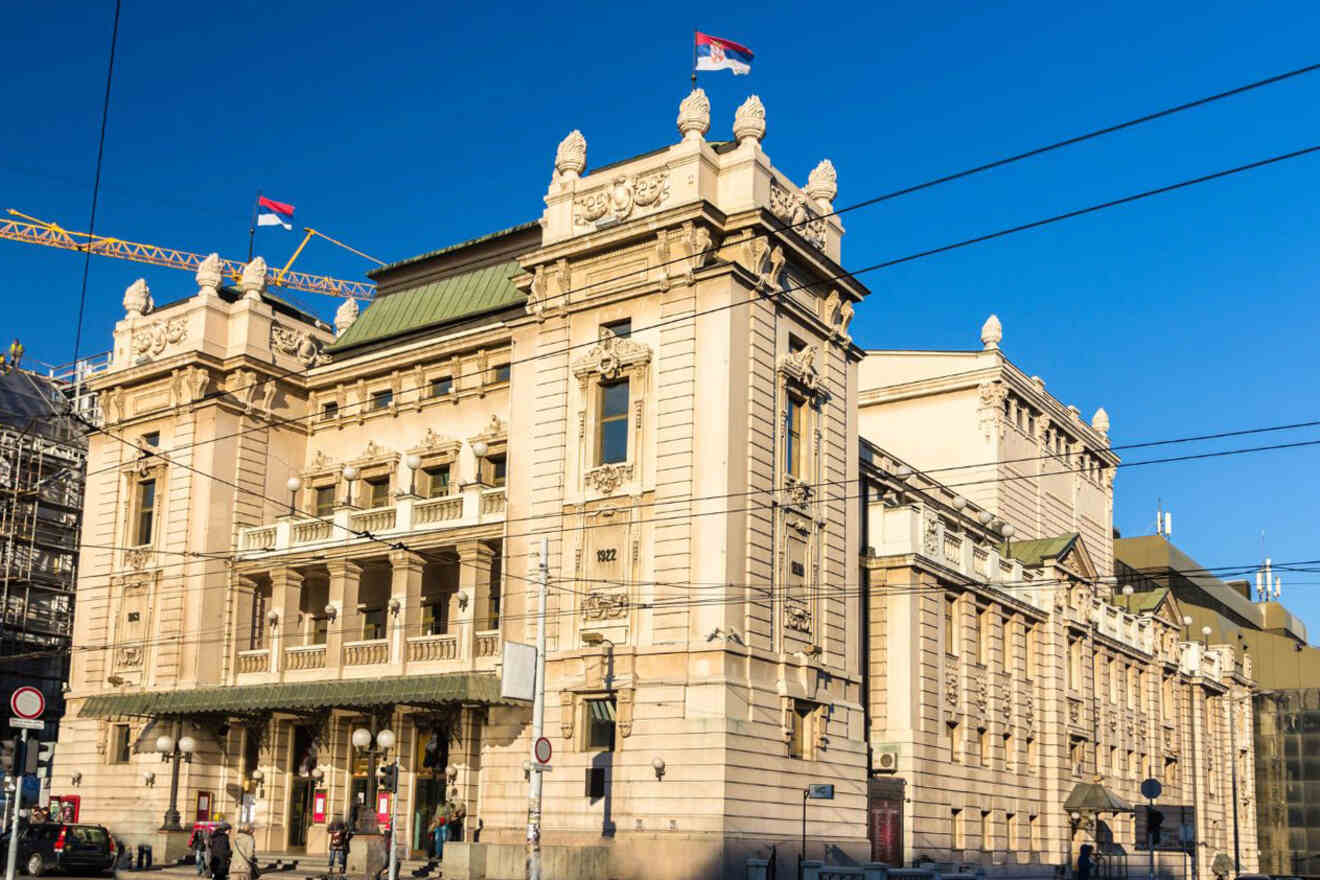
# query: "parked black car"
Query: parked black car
63,846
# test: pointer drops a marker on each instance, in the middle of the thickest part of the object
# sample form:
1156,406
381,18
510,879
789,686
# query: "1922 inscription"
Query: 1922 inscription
606,555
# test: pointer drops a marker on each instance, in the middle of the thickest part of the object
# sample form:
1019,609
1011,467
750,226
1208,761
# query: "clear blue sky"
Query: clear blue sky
400,128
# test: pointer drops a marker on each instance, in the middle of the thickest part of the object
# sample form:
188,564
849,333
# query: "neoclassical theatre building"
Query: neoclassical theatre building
295,532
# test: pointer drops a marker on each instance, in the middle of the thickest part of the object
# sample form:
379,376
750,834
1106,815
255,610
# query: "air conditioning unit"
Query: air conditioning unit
886,759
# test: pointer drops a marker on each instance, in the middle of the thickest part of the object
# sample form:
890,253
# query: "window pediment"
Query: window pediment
612,357
435,447
799,367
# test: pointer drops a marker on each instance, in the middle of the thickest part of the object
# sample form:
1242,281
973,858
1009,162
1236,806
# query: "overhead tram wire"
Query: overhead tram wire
934,182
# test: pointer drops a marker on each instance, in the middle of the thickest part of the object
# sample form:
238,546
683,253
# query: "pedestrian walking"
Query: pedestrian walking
245,855
198,844
340,836
221,852
1084,862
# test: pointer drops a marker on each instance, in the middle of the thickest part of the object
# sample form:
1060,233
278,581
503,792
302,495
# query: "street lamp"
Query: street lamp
175,751
479,450
294,484
350,474
414,464
384,740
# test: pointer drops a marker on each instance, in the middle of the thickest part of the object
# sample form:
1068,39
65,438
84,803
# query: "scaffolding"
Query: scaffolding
43,457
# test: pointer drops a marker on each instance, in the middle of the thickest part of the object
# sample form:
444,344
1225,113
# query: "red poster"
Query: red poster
383,809
318,808
203,806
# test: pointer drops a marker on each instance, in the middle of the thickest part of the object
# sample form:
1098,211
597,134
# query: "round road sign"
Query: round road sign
27,702
542,750
1151,788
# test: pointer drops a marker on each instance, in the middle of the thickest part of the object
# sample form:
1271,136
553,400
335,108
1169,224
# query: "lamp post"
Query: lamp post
175,750
479,450
381,743
294,484
350,474
414,465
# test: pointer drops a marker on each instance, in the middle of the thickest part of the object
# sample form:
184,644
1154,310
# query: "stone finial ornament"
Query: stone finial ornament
345,315
253,281
1100,421
694,116
749,120
209,275
992,333
137,299
823,185
571,157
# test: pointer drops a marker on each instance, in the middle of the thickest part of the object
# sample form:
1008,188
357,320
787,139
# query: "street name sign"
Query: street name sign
27,723
820,792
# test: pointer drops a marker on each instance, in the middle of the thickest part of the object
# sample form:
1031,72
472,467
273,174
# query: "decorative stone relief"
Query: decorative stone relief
797,617
837,312
662,257
156,336
1074,712
128,657
823,185
188,385
992,333
571,156
800,367
698,242
798,492
617,201
496,430
931,538
607,478
137,558
694,116
253,281
605,606
610,357
992,395
624,707
137,299
210,272
1100,421
321,461
345,316
980,688
951,684
567,713
297,343
749,120
792,209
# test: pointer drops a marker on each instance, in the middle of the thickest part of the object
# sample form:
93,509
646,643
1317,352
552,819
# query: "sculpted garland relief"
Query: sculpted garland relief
792,208
617,201
297,343
157,335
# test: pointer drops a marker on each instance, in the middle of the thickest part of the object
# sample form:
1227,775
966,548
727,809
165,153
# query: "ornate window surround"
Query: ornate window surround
612,358
573,721
149,463
436,450
376,462
496,437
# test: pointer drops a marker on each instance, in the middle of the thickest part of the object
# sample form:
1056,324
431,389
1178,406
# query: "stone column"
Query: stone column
474,560
347,625
406,588
285,599
468,764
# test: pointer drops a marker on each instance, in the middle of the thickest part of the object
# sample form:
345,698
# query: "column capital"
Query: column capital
400,559
474,551
343,568
286,576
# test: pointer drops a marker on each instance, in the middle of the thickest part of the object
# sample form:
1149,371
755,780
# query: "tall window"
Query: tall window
496,578
955,742
373,623
325,500
146,512
121,745
435,617
1074,663
1010,752
1029,634
1031,755
329,411
974,642
1011,831
987,831
437,481
959,831
983,746
951,624
612,428
1033,833
257,625
793,458
378,491
799,742
496,469
600,725
988,637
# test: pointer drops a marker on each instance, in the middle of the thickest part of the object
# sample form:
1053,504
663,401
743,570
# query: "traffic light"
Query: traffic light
8,751
1154,819
31,757
387,777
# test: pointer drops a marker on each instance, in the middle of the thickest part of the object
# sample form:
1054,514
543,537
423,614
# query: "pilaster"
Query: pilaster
344,577
406,570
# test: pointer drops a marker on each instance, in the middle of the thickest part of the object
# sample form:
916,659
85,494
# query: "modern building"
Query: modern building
42,468
295,533
1017,698
1286,708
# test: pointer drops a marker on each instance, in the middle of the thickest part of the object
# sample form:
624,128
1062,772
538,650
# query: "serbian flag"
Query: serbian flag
273,213
716,54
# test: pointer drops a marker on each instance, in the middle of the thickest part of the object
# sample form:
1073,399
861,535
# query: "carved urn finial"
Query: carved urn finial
823,185
209,275
992,332
571,157
694,116
253,281
749,120
1100,421
137,299
345,315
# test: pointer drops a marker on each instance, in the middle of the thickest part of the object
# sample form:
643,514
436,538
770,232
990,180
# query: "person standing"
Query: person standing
440,831
220,852
198,845
15,353
339,843
245,854
457,813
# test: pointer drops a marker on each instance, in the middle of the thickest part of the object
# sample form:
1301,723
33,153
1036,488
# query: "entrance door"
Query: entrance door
300,811
885,820
429,774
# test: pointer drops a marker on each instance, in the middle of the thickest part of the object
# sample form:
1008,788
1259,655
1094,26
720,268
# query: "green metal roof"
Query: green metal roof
1146,601
1035,552
347,694
449,249
434,303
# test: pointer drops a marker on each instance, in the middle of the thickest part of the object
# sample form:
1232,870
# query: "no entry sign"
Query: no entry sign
27,702
542,750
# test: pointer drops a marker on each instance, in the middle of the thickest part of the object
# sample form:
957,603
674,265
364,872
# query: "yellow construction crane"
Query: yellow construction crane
34,231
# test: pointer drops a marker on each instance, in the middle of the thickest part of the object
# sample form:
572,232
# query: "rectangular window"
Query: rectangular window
951,625
1113,761
1010,752
502,372
442,386
987,831
1011,831
801,717
378,492
622,329
793,437
325,500
435,618
595,783
1076,752
955,744
381,400
1134,687
1031,755
437,481
1029,634
146,512
974,638
496,593
983,746
1033,833
496,469
373,623
988,638
600,725
959,832
320,629
329,411
121,745
1074,664
612,427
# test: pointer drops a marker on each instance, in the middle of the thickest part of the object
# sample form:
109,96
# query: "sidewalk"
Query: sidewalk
276,866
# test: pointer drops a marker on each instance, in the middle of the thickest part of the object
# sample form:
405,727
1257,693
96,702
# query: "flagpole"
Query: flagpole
694,57
252,230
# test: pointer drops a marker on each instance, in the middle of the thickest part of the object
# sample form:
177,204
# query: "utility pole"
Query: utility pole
538,718
1232,763
20,759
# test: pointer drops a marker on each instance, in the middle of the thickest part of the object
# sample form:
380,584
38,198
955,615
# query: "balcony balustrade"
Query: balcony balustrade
422,649
304,657
488,643
474,505
253,661
367,653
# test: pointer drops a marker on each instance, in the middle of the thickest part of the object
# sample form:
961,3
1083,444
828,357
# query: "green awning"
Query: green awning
1092,797
416,690
601,710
